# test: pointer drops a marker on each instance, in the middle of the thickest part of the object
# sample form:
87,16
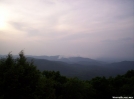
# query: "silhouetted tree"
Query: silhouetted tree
18,78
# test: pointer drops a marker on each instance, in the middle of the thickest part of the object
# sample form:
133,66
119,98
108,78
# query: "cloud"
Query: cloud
83,27
126,39
18,25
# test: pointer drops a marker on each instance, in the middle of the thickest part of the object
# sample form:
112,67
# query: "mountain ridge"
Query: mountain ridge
82,68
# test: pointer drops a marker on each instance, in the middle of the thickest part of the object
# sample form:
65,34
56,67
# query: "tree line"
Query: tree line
20,79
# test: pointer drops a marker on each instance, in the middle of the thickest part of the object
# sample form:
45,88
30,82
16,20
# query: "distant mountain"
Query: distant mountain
83,68
84,71
52,58
71,60
122,66
111,60
4,56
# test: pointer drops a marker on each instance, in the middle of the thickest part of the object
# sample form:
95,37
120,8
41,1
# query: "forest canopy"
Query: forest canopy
20,79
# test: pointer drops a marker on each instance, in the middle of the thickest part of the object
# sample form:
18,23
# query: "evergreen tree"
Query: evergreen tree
18,78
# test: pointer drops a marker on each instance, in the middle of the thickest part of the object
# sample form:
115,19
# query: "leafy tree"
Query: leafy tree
46,89
58,80
18,78
77,89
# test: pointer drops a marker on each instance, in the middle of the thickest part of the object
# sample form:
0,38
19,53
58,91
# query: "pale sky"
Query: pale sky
89,28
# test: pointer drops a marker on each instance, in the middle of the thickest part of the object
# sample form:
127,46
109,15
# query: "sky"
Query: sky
87,28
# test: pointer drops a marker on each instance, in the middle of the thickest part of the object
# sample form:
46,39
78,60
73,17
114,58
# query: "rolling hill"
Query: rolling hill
83,68
84,71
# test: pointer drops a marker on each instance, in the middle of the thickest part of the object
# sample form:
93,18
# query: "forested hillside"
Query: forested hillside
20,79
80,67
83,71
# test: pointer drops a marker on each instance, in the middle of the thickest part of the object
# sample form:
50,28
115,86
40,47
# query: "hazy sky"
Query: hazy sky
89,28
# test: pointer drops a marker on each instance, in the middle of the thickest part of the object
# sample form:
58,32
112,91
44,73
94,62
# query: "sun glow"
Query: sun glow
2,21
3,18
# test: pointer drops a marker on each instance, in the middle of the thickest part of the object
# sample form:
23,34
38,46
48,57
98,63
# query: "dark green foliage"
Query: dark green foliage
77,89
19,79
124,84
